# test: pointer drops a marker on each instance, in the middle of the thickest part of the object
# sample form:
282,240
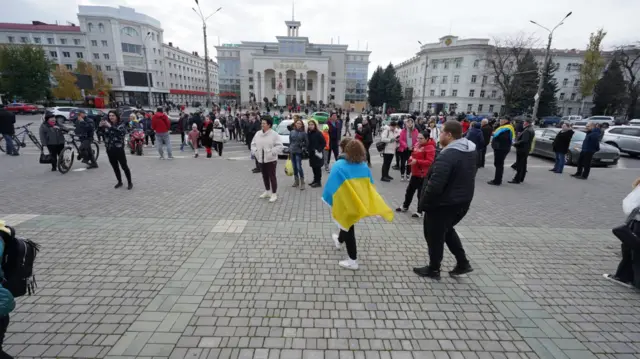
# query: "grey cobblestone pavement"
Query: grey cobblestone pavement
191,264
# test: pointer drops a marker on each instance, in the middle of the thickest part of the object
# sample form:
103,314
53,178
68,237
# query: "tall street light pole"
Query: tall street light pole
146,66
546,64
206,51
424,80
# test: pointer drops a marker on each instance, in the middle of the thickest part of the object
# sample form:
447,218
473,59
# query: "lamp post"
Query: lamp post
146,66
424,80
546,63
206,51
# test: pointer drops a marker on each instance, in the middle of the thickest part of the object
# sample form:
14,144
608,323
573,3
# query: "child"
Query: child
194,135
326,152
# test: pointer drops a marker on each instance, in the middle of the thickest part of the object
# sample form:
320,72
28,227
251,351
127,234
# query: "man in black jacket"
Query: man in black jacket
446,198
487,130
561,146
7,120
253,126
523,147
501,144
84,130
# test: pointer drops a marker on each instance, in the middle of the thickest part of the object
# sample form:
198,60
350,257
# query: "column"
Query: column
318,88
295,87
261,78
325,99
304,96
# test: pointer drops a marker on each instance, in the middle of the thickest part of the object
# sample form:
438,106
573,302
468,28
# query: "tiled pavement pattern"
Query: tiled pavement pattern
190,264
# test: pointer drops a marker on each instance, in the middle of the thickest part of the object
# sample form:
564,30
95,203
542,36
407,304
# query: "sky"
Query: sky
389,29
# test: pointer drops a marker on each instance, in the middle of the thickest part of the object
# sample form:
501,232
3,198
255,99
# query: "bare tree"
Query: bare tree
629,59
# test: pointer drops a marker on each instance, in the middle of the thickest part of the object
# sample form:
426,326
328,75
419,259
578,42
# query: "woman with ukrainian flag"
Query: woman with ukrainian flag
351,195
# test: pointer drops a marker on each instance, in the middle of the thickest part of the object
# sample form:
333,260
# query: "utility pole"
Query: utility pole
424,80
206,51
146,66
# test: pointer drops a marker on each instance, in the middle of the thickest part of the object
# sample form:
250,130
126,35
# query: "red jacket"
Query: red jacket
160,122
424,156
465,126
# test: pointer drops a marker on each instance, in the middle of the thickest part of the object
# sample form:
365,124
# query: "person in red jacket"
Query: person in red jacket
422,156
162,126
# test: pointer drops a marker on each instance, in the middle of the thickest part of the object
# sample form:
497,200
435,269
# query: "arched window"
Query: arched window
153,36
100,27
130,31
90,26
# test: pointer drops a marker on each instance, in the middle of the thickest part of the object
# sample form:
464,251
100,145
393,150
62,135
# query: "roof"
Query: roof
30,27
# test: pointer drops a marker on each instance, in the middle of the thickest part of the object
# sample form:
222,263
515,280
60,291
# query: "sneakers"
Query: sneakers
460,270
195,156
403,178
336,241
118,185
417,215
401,209
427,272
266,194
349,264
274,197
493,183
130,186
161,157
385,179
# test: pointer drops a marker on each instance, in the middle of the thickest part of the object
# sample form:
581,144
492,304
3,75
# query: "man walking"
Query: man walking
162,126
84,130
7,120
501,144
486,134
523,147
446,198
590,146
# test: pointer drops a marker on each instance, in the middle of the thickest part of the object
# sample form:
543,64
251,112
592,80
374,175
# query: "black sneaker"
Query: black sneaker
460,270
394,167
401,209
493,183
514,182
427,272
118,185
385,179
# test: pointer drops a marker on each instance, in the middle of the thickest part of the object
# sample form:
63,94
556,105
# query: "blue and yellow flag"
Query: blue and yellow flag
350,193
507,127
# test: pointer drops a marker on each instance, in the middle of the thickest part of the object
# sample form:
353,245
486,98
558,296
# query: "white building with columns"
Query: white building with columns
292,70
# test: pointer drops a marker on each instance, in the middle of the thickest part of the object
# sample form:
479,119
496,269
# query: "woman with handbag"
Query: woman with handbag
52,136
315,149
219,136
298,142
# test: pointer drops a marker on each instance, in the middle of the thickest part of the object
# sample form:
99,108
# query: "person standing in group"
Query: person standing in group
298,142
84,130
434,131
590,146
474,134
315,150
487,130
501,143
183,128
148,131
327,149
220,136
253,127
373,122
561,146
205,135
52,137
390,138
193,138
231,129
408,139
334,136
366,134
161,125
7,121
422,156
446,198
347,128
523,145
115,144
265,147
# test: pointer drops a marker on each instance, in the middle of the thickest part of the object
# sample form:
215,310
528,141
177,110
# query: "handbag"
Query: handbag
288,167
45,158
626,234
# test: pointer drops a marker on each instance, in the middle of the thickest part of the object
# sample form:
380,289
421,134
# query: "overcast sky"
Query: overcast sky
390,29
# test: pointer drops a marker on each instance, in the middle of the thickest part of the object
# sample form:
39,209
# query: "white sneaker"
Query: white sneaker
349,264
337,243
274,197
266,194
417,215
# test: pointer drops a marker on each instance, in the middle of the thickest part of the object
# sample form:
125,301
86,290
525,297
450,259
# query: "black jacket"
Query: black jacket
451,178
52,135
317,143
84,129
524,140
487,130
367,136
7,120
502,142
562,141
114,136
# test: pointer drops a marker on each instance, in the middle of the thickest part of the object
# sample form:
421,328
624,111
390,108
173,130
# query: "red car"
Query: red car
22,108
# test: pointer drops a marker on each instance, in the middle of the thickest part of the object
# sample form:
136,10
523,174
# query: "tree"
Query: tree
100,83
376,88
392,86
629,59
524,85
592,66
25,72
66,85
548,105
609,94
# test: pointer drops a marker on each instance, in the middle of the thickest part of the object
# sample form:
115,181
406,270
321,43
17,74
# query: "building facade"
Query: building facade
452,75
187,77
292,70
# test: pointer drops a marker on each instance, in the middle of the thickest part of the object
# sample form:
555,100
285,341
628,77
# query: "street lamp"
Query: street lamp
546,63
146,65
424,80
206,52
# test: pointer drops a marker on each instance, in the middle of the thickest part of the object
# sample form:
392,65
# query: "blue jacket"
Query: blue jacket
146,124
475,135
591,143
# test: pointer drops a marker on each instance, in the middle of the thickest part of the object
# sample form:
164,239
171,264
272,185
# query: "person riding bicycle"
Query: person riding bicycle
84,131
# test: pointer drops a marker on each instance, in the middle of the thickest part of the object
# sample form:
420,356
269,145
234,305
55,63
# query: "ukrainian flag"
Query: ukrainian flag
503,128
350,193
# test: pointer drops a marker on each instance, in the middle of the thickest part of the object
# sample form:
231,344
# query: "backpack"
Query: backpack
17,264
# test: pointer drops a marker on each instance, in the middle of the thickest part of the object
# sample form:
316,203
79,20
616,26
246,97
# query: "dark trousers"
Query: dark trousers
269,176
498,162
349,239
4,324
54,151
232,133
181,137
482,156
397,158
521,166
366,147
629,267
386,164
317,174
439,229
100,135
404,157
249,139
415,185
152,135
584,164
87,152
335,148
218,146
117,159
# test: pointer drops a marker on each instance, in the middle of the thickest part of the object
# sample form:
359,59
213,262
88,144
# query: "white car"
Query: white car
283,131
61,113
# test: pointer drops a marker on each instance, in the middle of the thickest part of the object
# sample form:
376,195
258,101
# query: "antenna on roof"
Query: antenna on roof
367,46
293,10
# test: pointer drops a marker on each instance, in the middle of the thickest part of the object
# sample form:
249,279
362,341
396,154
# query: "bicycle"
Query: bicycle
17,142
65,160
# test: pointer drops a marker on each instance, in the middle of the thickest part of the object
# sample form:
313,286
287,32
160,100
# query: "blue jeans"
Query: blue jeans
296,160
9,146
163,139
559,166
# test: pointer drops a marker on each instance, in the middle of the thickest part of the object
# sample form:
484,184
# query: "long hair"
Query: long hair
354,152
116,114
315,128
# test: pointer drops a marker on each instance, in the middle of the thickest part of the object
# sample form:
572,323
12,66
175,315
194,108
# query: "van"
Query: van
571,118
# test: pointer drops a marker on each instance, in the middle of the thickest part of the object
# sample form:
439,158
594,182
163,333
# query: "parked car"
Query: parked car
550,121
321,117
92,113
571,118
61,113
22,108
579,125
284,132
624,138
634,122
604,121
608,155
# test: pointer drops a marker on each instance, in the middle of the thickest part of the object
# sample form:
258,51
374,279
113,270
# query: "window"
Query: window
473,79
443,93
90,27
98,67
76,41
250,87
490,108
454,93
66,54
433,79
469,108
309,85
129,31
494,93
480,108
53,53
273,83
94,42
104,43
576,82
495,79
155,62
110,81
154,50
444,79
79,55
24,40
100,27
456,79
11,39
458,63
434,64
333,89
446,64
250,71
432,93
96,56
63,41
561,96
37,40
107,67
69,66
132,49
569,110
568,67
484,80
333,82
288,83
476,63
333,74
472,93
481,94
565,82
153,36
573,97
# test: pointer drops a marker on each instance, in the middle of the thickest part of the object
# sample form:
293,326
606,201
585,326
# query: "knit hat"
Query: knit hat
325,127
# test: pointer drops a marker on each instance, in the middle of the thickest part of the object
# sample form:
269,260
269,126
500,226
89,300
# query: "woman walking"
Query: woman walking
315,149
115,143
298,142
265,147
205,135
52,136
366,135
408,139
424,152
220,136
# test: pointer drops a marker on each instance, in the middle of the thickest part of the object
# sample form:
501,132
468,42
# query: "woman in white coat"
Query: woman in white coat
265,147
390,137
